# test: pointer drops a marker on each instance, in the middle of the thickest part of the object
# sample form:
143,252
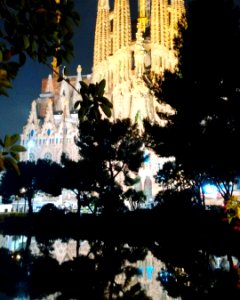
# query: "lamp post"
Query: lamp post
23,191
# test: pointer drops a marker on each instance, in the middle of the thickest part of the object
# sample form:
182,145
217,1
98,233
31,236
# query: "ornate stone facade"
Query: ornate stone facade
122,61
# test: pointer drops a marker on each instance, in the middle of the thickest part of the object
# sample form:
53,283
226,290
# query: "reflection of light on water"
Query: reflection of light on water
63,251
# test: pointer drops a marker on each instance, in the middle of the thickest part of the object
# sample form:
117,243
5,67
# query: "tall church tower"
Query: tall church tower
123,61
102,33
159,36
121,25
143,14
120,57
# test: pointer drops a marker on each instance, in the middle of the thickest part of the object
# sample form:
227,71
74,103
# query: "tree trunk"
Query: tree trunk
77,247
30,208
79,205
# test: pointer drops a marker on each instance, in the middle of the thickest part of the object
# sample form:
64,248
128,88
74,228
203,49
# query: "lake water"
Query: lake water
49,270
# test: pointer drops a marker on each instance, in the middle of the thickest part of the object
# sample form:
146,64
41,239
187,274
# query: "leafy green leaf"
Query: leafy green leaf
106,110
18,148
15,155
76,104
92,89
14,138
2,91
105,101
101,87
10,162
84,87
82,112
7,141
26,42
97,114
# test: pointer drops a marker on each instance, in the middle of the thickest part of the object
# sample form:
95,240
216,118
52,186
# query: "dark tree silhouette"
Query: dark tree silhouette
80,178
204,92
36,30
115,150
42,175
201,134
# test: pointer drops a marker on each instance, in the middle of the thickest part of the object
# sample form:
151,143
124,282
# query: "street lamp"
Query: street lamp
23,191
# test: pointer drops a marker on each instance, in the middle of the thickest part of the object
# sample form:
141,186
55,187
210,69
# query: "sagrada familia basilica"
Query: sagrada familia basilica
121,57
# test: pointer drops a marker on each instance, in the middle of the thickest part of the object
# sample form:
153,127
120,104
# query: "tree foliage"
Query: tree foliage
36,29
103,273
93,104
200,136
80,177
204,92
115,150
43,175
10,152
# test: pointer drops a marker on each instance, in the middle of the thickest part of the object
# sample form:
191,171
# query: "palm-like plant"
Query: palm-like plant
10,152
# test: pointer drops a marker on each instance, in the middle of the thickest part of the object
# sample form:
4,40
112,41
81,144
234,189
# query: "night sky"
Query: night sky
26,87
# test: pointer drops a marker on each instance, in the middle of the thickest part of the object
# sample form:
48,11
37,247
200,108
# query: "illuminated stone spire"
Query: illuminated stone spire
76,95
159,22
64,93
177,10
142,15
32,119
121,25
102,47
139,53
159,35
49,112
121,42
49,86
54,63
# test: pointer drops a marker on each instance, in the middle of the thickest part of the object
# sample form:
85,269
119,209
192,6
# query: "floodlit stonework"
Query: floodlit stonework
122,61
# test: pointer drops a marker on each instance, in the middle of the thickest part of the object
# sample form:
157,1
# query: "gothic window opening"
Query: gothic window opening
31,157
48,155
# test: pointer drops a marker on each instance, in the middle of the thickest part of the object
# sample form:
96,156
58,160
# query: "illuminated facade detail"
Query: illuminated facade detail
52,123
142,12
102,48
122,62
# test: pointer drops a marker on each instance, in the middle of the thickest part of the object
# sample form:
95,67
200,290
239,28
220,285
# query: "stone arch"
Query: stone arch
48,155
31,156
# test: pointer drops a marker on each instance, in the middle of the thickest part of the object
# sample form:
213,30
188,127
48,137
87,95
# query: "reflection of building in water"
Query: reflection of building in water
150,268
121,57
65,251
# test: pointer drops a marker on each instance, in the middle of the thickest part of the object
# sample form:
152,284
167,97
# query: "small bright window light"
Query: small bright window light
31,144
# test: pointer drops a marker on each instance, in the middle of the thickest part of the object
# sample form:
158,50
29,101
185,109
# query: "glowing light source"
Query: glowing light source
210,190
30,144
